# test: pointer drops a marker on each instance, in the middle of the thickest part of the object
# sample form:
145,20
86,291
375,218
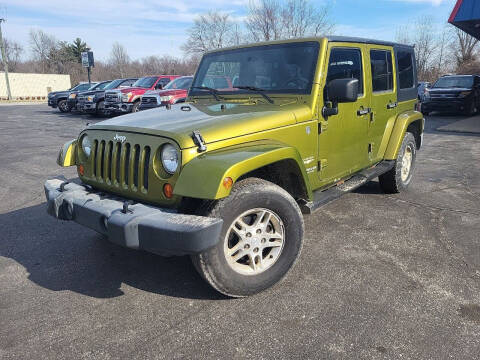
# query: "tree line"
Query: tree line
440,49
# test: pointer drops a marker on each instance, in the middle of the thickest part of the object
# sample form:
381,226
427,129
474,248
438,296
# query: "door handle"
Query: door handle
392,105
362,111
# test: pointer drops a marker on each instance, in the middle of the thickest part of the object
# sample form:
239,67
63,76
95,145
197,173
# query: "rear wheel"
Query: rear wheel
261,239
398,178
63,106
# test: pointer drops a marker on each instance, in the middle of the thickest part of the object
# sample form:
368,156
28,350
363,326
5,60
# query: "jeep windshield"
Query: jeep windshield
463,82
145,82
275,69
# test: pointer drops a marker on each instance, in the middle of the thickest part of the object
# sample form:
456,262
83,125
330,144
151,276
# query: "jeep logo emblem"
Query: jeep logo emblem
122,139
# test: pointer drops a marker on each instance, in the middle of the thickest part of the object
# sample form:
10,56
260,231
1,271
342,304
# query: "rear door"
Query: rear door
343,139
383,99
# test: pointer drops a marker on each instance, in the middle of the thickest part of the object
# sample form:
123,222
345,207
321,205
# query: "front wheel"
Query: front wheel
398,178
63,106
261,239
135,107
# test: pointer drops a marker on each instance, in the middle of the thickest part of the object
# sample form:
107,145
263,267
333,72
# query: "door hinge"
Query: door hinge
322,164
322,126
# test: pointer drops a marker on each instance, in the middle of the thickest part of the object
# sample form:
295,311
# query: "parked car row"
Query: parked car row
452,93
122,95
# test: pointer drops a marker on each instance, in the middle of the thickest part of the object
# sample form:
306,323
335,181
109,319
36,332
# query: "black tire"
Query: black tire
100,109
392,181
63,106
135,106
248,194
470,110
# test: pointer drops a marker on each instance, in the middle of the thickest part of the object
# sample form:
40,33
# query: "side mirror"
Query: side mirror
159,86
340,91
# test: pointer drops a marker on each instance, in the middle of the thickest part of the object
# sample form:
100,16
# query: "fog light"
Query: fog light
168,190
81,170
227,183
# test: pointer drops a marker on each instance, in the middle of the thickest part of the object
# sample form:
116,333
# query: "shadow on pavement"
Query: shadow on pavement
65,256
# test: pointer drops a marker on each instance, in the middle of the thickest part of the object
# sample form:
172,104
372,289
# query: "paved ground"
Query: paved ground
380,277
469,125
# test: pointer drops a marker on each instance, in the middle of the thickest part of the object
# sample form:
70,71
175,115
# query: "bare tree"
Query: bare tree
13,53
209,31
425,44
272,20
423,35
443,54
42,46
119,59
264,20
464,48
300,18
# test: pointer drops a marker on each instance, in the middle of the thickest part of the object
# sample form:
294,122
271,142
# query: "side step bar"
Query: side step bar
322,197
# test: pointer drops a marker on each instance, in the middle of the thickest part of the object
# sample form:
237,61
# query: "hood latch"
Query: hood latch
198,140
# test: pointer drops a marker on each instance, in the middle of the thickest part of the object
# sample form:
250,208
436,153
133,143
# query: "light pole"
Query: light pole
5,63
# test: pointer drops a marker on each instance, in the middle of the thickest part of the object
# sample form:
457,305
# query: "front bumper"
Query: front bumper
88,107
119,107
445,105
139,226
149,106
52,102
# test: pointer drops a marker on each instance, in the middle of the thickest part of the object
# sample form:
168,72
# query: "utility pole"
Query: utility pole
5,63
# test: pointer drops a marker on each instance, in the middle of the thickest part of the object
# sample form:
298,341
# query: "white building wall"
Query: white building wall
32,86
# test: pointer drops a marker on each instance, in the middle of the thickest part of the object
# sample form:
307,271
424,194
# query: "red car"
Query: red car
128,99
176,91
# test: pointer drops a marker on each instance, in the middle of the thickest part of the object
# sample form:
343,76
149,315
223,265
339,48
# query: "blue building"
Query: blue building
466,16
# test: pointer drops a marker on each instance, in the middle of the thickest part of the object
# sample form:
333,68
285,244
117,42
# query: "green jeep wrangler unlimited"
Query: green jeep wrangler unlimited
269,131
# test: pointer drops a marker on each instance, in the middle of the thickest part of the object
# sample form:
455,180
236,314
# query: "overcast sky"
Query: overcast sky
157,27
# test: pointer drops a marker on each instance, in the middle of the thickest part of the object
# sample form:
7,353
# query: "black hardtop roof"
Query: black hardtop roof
335,38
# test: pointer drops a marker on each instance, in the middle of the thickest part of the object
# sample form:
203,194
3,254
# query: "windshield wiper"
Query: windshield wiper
257,90
212,91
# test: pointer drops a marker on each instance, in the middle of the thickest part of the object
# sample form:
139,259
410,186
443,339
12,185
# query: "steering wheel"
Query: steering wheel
296,83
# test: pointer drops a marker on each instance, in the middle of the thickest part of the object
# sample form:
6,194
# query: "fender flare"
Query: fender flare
203,176
67,154
399,130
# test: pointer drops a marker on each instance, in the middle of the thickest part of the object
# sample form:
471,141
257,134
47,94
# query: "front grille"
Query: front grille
147,100
122,165
443,96
112,98
80,100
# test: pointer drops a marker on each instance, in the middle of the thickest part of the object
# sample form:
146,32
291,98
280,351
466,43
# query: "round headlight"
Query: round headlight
169,158
86,145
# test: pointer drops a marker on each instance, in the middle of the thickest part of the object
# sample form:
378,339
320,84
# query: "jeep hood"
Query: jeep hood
213,122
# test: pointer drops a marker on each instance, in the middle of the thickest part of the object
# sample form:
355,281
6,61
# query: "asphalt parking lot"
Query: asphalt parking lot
380,276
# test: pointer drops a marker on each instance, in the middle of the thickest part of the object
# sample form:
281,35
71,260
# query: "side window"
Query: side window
382,70
405,70
346,63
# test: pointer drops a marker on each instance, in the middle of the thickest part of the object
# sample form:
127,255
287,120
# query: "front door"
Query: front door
343,140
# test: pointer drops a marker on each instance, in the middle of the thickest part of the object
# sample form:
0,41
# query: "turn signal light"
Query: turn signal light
168,190
81,170
227,183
